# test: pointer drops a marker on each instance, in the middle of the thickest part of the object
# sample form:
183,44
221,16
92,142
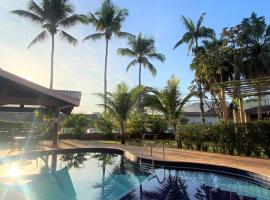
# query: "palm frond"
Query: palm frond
123,35
185,39
199,23
126,52
132,63
94,37
157,56
67,37
185,100
33,17
149,66
206,32
39,38
35,8
71,21
187,24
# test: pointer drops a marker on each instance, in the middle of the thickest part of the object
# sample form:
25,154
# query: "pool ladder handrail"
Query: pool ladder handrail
153,158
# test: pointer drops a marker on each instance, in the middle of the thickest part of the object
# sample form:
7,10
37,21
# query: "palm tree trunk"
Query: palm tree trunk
122,124
52,58
140,83
200,92
105,75
140,74
201,103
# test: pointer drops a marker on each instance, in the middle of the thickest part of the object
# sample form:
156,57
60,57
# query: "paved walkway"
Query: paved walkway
261,166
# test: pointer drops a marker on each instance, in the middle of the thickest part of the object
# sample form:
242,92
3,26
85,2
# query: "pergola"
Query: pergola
244,88
20,95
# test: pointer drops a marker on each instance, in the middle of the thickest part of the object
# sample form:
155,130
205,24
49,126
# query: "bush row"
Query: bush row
250,139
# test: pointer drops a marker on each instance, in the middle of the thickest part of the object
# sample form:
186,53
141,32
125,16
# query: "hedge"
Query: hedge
250,139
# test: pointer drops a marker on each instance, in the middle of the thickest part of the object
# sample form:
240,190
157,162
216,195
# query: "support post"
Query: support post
55,127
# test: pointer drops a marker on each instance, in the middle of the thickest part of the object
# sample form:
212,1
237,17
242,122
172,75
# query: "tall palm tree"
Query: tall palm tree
168,102
53,16
142,49
108,21
191,37
120,104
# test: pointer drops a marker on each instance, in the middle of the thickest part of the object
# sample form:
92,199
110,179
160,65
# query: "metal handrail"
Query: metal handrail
156,149
153,159
145,145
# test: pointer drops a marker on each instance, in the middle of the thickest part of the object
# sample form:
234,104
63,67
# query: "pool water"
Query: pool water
108,176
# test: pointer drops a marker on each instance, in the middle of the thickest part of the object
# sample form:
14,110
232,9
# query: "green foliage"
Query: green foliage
106,123
77,123
168,101
45,116
53,16
107,20
137,124
251,139
120,104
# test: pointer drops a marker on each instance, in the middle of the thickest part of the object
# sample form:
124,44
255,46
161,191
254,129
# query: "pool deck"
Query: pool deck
256,165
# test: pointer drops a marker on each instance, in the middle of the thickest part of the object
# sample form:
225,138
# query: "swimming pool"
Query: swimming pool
108,175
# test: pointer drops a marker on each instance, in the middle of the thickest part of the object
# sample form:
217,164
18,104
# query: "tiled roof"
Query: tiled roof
71,97
71,94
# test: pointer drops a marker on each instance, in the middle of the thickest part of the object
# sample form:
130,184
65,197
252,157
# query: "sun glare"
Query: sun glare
14,171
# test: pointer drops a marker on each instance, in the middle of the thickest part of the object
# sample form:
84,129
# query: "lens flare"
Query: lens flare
14,171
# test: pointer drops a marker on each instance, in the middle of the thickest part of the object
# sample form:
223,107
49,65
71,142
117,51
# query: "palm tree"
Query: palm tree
168,102
108,22
191,37
141,49
53,16
120,104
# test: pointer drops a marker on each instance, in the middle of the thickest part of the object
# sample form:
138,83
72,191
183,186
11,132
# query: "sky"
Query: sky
81,68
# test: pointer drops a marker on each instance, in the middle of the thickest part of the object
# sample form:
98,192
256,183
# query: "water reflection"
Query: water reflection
74,160
120,180
107,176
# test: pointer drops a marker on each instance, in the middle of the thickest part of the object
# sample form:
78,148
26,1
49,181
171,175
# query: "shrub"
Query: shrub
106,123
76,123
250,139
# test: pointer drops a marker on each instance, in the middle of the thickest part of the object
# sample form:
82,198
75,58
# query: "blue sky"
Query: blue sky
81,68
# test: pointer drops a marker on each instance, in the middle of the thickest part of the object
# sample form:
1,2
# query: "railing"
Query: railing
155,153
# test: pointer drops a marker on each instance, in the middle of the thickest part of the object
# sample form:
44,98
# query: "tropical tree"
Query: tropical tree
77,122
169,102
142,49
191,37
108,21
120,104
53,16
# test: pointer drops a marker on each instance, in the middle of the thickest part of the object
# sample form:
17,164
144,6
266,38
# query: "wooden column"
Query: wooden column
55,127
224,105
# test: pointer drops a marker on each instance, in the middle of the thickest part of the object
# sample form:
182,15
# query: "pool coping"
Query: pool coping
252,177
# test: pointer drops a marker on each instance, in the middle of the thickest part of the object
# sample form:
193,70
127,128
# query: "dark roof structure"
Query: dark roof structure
15,90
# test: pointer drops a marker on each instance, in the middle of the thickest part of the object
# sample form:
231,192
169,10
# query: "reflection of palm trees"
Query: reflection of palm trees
203,193
118,182
172,188
106,159
73,160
